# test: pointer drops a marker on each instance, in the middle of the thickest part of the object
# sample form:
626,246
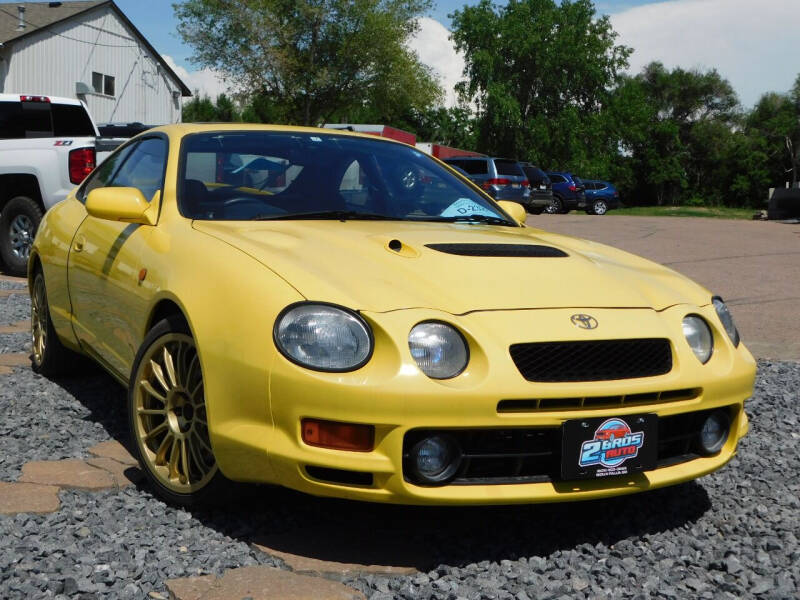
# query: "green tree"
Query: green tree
539,73
308,60
678,146
201,109
776,119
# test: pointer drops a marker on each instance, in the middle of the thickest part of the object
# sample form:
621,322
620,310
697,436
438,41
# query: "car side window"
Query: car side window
144,168
557,178
104,174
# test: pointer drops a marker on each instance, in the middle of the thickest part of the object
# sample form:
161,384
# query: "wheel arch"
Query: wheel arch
163,307
34,264
20,184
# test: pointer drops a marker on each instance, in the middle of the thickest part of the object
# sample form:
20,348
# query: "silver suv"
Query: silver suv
501,178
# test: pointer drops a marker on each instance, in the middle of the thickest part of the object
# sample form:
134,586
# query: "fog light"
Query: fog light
714,433
435,459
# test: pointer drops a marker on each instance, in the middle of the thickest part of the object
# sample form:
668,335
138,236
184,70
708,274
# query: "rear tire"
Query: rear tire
599,207
18,224
555,207
49,357
535,210
168,420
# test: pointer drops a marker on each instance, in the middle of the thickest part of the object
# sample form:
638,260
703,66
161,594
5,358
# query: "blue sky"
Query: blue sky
155,19
747,41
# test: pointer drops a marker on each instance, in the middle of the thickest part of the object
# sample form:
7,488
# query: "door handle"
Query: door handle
77,245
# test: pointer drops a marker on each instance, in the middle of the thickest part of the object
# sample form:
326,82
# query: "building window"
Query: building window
102,84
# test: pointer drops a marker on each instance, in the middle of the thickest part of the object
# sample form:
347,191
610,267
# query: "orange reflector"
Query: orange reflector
339,436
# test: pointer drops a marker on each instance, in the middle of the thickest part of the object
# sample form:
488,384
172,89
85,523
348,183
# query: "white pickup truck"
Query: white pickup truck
48,145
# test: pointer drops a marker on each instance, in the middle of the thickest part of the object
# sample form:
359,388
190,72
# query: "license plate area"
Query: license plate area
608,446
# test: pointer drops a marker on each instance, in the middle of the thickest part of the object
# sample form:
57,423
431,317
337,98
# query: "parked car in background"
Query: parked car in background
501,178
541,188
568,192
48,145
122,130
601,196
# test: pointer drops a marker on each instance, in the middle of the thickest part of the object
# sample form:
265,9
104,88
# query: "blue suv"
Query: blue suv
601,196
568,192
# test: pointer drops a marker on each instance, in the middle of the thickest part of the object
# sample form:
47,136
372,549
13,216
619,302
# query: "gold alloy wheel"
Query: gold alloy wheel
170,421
39,318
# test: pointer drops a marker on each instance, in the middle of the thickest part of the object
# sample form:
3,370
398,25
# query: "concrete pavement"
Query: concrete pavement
753,265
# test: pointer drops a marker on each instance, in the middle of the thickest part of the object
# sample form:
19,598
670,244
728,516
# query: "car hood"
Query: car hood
388,265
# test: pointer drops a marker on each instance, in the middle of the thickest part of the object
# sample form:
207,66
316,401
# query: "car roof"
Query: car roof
182,129
480,158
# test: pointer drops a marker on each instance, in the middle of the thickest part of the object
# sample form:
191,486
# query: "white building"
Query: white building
87,50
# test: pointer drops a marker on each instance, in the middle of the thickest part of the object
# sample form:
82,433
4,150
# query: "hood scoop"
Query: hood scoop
500,250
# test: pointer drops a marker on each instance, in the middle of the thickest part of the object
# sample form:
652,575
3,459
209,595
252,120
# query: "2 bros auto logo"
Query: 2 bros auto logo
612,445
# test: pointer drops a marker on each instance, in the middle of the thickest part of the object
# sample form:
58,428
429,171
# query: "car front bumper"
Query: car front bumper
391,394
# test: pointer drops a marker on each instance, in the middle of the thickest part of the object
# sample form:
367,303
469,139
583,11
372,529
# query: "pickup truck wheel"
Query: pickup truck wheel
18,224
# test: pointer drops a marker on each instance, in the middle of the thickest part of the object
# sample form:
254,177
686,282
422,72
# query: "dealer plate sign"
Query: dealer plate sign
608,446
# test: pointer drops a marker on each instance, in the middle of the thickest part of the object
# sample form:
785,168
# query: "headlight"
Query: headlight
698,336
439,349
323,337
727,320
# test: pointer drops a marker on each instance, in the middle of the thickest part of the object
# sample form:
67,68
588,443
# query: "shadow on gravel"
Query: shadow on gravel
420,537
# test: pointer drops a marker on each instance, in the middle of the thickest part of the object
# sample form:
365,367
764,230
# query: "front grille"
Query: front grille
601,360
533,455
597,402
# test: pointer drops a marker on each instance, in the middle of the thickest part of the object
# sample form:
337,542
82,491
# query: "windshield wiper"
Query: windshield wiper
332,215
472,219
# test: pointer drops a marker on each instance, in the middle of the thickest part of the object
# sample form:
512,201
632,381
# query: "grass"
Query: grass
717,212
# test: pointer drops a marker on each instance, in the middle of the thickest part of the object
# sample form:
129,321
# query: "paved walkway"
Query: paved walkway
753,265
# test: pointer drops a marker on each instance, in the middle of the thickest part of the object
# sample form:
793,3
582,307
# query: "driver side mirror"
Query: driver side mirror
515,210
126,204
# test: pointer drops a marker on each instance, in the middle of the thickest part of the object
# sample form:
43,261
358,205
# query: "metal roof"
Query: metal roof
41,15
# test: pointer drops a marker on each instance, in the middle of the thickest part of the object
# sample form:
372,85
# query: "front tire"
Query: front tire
18,224
168,419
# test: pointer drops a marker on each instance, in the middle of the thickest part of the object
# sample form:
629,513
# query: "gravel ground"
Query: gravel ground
15,307
733,534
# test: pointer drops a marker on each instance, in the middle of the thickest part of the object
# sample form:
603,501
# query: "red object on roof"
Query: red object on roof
380,130
441,151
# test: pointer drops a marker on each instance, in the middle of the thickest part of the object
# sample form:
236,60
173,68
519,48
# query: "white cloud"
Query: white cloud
434,48
206,81
752,44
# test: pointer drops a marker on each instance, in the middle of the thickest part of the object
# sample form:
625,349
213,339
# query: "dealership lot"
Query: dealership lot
753,265
93,529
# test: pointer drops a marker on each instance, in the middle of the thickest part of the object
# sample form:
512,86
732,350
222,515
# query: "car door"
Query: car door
109,303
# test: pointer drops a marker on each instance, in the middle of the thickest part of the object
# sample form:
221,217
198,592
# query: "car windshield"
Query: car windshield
266,175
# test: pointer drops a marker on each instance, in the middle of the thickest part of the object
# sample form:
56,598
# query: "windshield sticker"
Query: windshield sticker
464,207
314,138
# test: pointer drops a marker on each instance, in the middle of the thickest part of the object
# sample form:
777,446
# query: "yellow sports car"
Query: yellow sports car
347,316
